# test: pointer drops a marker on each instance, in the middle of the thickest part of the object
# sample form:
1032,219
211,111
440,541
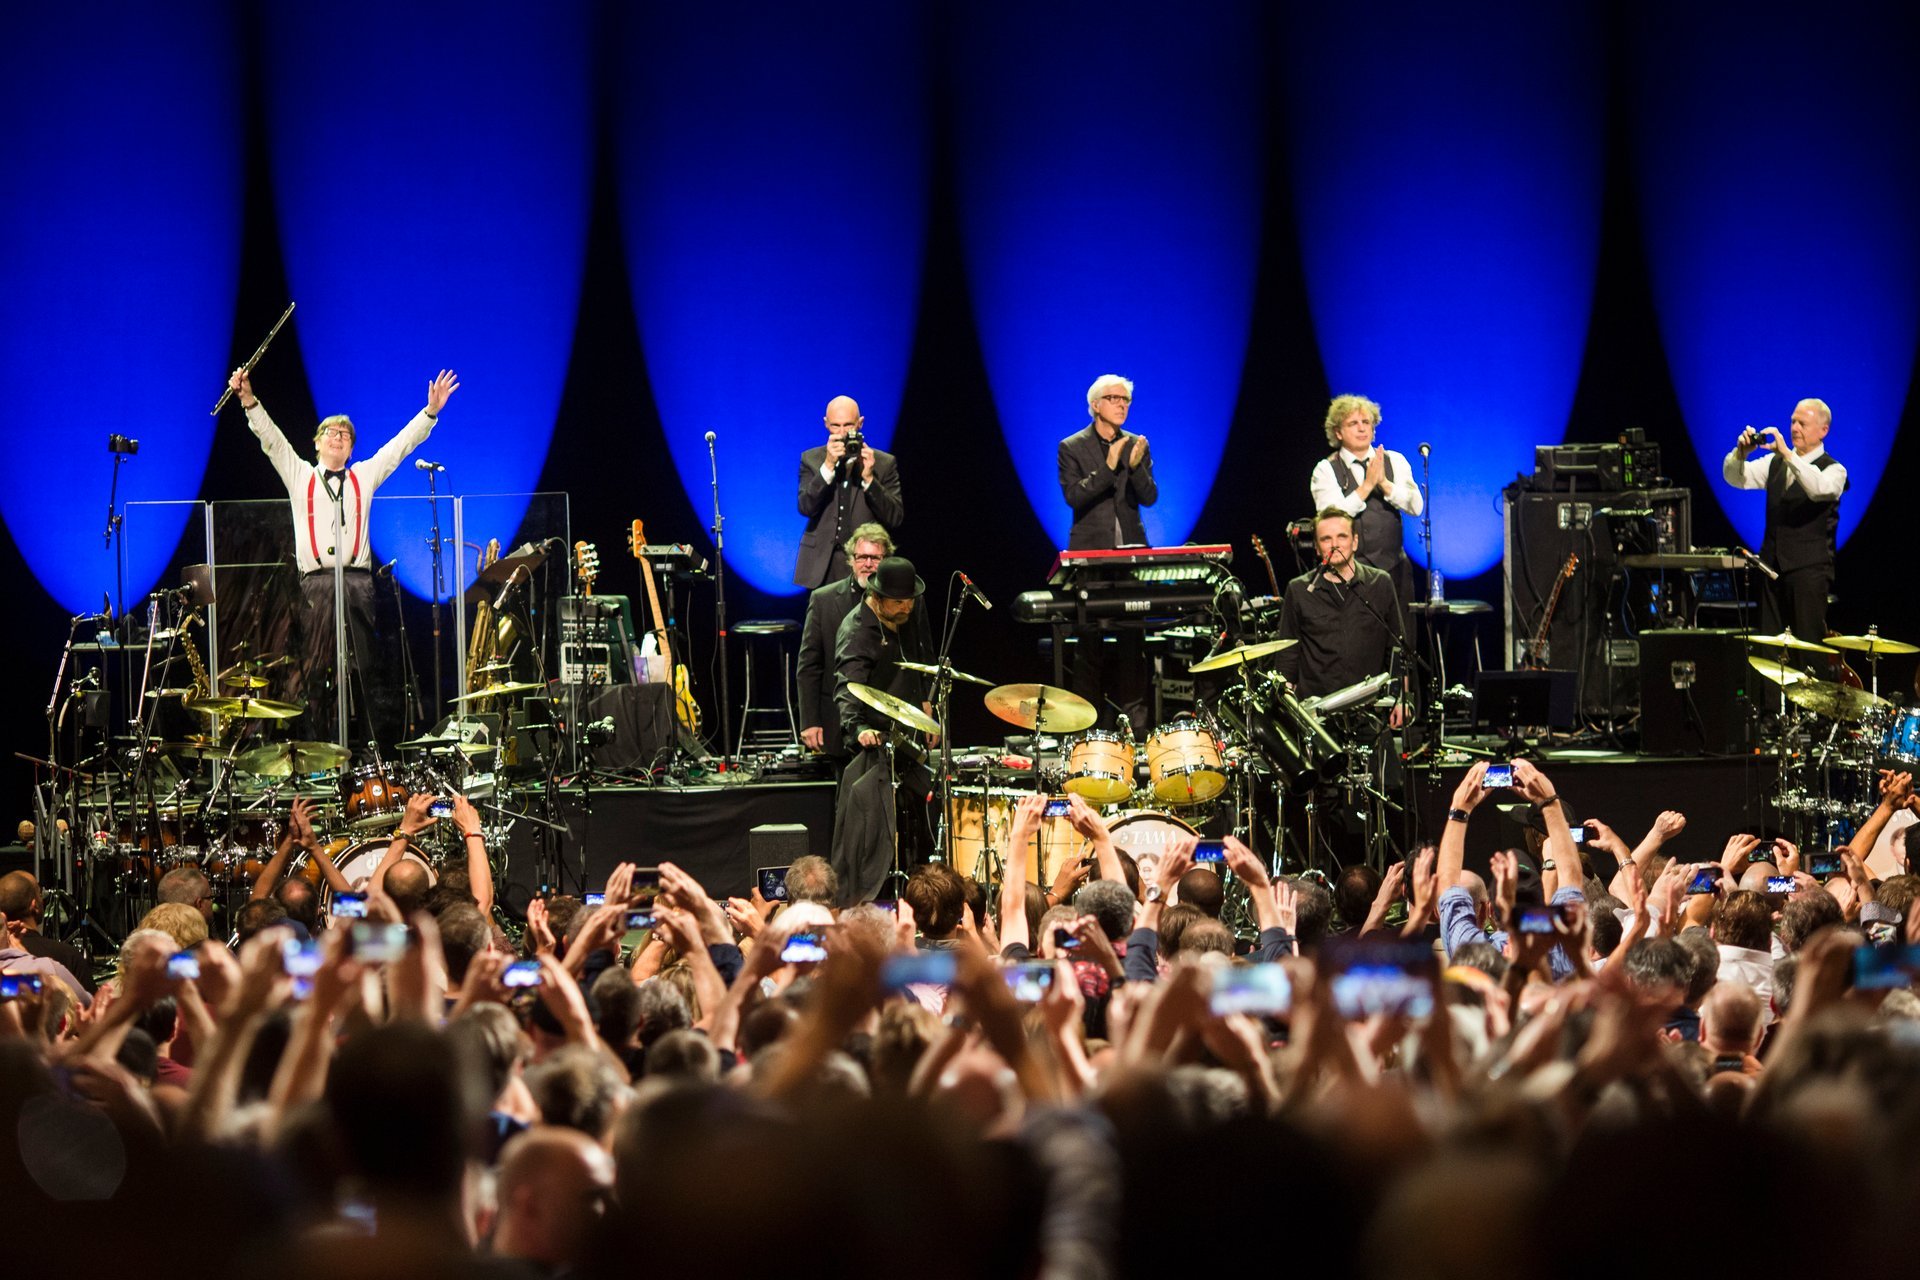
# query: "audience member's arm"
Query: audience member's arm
1537,789
682,931
562,996
269,877
1143,945
303,1067
1895,789
1062,1011
1383,899
216,1077
466,819
1013,876
1091,825
1453,837
415,820
1420,911
1669,824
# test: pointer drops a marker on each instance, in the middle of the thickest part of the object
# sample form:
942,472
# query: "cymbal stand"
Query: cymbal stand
942,696
897,877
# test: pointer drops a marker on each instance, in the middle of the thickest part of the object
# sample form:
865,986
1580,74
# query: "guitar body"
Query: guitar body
685,709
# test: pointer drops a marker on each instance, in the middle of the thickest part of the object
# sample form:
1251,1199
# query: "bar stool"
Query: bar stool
766,639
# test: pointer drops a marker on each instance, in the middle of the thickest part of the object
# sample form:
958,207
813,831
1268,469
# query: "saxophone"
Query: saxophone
202,682
484,646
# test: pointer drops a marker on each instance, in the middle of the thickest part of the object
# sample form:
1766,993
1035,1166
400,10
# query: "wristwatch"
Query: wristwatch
1153,892
1459,815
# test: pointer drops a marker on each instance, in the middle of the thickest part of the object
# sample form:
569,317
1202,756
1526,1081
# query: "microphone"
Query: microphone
974,591
1757,562
506,589
710,439
1126,726
1426,449
1319,574
421,464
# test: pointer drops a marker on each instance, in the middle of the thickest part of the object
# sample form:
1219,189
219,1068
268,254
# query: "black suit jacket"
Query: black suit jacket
865,652
827,608
820,503
1099,494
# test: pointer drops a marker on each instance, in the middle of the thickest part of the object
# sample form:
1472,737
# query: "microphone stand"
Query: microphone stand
942,694
439,586
720,604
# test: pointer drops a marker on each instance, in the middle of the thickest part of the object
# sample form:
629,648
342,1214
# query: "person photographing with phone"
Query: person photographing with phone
1803,484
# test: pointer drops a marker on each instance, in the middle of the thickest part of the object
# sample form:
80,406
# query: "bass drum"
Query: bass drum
358,860
1146,835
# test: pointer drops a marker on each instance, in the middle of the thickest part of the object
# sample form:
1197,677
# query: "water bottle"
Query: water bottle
1436,586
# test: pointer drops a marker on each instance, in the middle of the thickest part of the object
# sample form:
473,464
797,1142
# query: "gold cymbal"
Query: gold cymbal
284,759
932,669
1064,711
1241,655
1778,672
1787,640
497,690
196,748
243,707
894,708
1835,701
1872,644
245,674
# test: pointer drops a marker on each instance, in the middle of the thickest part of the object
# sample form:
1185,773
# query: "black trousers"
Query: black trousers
319,669
1798,601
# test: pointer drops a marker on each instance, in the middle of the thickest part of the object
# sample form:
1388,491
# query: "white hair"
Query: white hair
1826,414
1106,380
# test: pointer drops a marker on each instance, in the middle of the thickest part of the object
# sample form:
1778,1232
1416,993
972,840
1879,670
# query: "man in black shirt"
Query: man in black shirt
1346,616
827,608
844,483
874,639
1803,483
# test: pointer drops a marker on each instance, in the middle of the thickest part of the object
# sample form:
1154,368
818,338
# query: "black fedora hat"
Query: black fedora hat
895,580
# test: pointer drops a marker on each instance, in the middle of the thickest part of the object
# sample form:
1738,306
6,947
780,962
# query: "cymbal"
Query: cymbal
244,707
1065,711
894,708
284,759
931,669
171,693
496,690
245,674
195,748
1778,672
1872,644
1787,640
1835,701
1241,655
445,744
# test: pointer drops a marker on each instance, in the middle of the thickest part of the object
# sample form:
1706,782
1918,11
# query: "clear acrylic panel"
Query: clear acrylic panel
517,625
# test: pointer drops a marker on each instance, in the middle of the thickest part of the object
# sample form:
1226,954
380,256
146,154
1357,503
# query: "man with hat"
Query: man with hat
874,639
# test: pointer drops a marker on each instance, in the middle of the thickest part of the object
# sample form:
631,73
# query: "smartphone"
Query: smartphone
440,807
1535,919
1497,775
1209,851
521,974
1250,988
1727,1062
1065,940
890,906
1824,866
1030,980
806,947
639,920
1765,851
183,964
594,899
773,883
1884,968
300,959
1705,880
15,985
646,877
921,969
1058,808
350,906
1385,976
1579,834
1780,884
377,943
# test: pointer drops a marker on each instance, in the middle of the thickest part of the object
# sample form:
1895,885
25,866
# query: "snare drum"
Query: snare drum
358,860
373,800
1100,767
1183,761
1900,746
978,820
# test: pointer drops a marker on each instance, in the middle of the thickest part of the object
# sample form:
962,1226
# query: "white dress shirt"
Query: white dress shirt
1402,492
1825,485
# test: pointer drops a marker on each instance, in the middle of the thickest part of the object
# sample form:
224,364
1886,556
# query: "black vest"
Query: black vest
1800,529
1378,525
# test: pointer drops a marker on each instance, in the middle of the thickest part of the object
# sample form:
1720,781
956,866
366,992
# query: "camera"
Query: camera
1822,866
853,442
809,947
350,906
120,444
183,964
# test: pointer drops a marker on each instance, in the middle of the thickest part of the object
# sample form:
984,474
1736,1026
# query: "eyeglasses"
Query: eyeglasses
336,433
874,559
1118,399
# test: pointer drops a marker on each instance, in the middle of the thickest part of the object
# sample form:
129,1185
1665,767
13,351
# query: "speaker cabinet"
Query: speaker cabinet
777,844
1696,693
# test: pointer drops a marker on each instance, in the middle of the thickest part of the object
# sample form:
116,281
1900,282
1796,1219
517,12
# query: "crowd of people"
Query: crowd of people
1594,1056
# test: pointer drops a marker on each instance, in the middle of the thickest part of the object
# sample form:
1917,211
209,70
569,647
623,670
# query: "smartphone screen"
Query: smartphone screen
300,959
921,969
1779,884
378,943
183,964
1029,980
15,985
1058,808
594,899
521,974
773,883
806,947
1250,988
1822,866
1389,977
1497,775
441,807
1884,968
639,920
646,877
1579,834
1535,919
350,906
1209,851
1065,940
1705,880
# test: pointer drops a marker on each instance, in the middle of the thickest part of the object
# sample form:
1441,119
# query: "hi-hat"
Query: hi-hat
1835,701
894,708
284,759
495,690
245,674
1778,672
1241,655
1043,707
194,748
932,669
244,707
1787,640
1872,644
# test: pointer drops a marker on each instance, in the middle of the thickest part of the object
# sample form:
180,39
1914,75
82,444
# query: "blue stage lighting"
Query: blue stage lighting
432,169
1446,170
773,175
1110,170
1779,223
119,246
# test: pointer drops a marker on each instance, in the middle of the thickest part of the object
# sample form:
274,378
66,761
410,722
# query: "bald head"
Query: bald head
1730,1018
552,1189
407,884
843,415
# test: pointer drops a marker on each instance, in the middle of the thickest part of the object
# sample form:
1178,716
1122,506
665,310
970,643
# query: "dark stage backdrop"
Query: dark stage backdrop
1670,171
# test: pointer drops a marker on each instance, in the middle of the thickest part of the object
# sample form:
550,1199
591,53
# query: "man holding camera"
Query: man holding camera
844,483
1803,483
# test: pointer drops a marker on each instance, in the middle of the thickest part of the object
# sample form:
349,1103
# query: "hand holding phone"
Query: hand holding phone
349,906
773,883
1497,776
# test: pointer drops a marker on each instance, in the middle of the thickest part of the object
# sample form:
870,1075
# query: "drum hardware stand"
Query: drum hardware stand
409,677
438,557
942,698
720,605
897,876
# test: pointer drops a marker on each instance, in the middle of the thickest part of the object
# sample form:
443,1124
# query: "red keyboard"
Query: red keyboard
1139,564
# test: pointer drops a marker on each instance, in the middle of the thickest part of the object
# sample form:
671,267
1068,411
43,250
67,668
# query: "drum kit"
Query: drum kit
1832,736
1185,772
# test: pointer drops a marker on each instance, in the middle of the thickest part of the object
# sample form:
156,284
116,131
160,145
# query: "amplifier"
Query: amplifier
1696,693
596,640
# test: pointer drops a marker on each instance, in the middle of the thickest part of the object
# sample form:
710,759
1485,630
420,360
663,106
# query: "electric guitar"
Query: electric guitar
1535,653
1260,549
684,706
586,565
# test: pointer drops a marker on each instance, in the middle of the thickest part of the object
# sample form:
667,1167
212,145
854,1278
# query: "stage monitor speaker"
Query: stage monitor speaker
1591,630
777,844
1695,693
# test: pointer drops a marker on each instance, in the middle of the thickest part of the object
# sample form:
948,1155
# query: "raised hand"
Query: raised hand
1669,824
1138,451
1245,863
440,390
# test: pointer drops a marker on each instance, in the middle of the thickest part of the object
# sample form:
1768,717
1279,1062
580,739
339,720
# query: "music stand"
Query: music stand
1506,700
